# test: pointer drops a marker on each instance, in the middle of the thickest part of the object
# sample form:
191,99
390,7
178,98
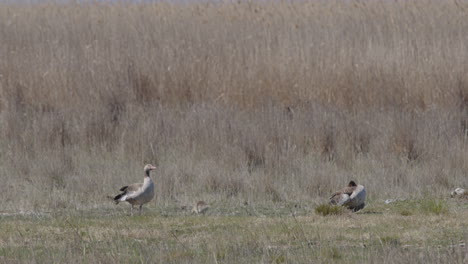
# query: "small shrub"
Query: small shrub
327,209
390,241
406,212
220,255
280,259
333,253
464,195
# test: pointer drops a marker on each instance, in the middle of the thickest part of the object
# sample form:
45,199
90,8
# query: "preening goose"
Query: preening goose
352,196
138,193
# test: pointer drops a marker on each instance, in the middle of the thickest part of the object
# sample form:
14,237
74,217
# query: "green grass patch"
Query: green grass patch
327,209
278,238
434,206
420,206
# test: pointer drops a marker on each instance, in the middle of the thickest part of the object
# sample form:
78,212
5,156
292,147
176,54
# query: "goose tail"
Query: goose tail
119,198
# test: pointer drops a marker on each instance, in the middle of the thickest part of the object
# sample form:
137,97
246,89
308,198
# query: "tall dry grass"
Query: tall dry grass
235,101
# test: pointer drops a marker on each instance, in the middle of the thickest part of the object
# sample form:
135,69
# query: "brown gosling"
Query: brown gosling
200,207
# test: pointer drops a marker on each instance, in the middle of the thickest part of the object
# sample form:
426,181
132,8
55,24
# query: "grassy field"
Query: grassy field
406,231
259,101
253,107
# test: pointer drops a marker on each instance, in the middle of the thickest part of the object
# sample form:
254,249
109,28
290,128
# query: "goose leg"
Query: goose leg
131,210
140,208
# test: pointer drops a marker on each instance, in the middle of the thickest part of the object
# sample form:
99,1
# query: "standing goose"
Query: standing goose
352,196
138,193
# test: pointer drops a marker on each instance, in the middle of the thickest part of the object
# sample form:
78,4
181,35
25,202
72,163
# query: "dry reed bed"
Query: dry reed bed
258,101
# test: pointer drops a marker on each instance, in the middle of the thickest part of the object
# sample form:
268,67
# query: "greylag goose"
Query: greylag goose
352,196
138,193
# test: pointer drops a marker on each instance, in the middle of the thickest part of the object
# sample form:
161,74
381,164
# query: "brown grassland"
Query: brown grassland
260,108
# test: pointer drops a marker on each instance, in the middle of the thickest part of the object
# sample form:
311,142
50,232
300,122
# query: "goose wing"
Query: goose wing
128,192
343,196
131,188
339,198
347,191
358,191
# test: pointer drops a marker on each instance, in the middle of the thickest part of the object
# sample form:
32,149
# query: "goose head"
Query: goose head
148,168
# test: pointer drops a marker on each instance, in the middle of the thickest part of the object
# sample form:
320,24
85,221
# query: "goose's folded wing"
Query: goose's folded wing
358,192
344,199
133,190
334,196
339,198
348,190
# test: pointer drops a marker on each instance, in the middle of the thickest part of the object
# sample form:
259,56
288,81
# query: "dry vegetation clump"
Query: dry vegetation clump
253,101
